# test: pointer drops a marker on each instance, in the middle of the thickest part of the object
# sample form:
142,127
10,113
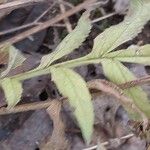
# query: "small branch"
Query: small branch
5,32
100,3
45,12
27,107
66,20
48,23
34,23
17,4
70,5
137,82
103,17
107,143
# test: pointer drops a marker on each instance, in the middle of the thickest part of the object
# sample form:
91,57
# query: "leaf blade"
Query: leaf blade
70,42
13,91
71,85
116,35
140,55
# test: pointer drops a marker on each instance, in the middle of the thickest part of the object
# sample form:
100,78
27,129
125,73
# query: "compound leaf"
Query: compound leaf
118,73
13,91
72,41
71,85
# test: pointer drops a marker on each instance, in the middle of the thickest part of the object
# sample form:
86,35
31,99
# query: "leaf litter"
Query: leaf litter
129,145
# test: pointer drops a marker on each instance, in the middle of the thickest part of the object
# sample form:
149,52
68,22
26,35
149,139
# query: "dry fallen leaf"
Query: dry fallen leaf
57,141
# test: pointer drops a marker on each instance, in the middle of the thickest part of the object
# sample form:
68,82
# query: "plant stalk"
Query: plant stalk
69,64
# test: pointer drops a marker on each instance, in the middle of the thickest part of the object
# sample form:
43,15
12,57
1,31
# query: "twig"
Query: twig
45,12
27,107
5,32
104,17
100,3
109,88
34,23
66,20
137,82
48,23
68,4
106,143
17,4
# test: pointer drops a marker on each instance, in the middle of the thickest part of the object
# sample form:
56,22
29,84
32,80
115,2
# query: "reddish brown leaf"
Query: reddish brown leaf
4,57
57,141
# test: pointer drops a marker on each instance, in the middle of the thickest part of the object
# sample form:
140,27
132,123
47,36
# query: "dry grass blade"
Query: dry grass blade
107,142
139,81
6,6
66,20
17,4
103,17
110,89
57,141
100,146
34,23
48,23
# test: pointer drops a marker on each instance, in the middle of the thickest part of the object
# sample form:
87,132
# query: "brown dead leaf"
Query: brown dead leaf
57,141
4,55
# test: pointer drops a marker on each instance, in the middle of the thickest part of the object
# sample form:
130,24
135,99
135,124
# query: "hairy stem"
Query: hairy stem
69,64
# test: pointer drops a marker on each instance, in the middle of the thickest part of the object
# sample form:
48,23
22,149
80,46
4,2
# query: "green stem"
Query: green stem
69,64
30,74
77,62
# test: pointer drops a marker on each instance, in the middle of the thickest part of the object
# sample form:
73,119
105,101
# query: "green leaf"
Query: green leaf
71,85
118,73
13,91
116,35
72,41
15,59
133,54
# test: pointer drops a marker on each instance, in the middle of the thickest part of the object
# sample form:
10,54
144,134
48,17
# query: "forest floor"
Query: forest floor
32,130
